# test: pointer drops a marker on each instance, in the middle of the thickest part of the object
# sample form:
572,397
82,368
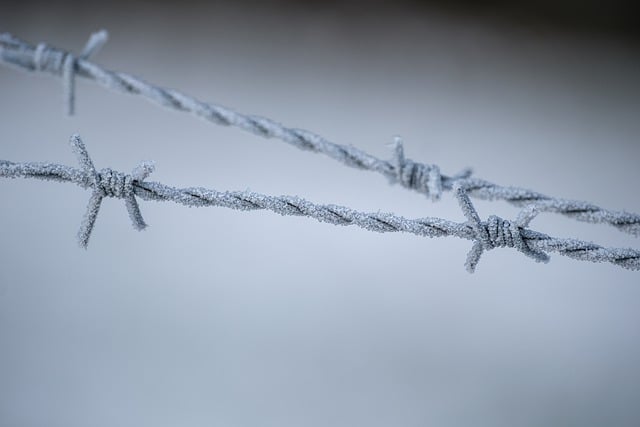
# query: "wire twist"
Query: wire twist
486,235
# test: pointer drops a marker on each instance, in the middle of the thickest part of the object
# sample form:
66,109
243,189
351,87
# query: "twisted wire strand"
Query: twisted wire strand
486,235
421,177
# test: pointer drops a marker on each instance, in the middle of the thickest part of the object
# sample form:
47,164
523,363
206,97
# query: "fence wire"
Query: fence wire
421,177
486,235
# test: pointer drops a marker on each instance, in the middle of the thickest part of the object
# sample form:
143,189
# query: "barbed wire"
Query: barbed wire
421,177
486,235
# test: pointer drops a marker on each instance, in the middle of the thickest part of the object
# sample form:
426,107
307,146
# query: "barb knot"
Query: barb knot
108,183
114,184
422,177
66,63
495,231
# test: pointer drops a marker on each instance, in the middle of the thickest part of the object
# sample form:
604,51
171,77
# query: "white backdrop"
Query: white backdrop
218,317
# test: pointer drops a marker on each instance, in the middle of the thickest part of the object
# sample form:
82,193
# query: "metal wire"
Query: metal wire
421,177
486,235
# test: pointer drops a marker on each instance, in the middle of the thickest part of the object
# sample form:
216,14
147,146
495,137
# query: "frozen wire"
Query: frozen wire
486,235
421,177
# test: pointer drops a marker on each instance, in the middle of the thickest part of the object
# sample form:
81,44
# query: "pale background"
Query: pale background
214,317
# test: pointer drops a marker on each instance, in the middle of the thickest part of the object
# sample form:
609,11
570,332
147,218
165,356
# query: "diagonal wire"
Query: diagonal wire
421,177
486,235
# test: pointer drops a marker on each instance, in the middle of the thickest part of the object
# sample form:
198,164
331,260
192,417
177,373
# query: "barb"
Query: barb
495,232
108,183
65,64
419,177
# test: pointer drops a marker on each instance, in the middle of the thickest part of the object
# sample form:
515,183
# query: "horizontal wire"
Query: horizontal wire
495,232
421,177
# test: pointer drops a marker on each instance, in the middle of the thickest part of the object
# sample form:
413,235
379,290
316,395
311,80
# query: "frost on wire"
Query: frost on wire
421,177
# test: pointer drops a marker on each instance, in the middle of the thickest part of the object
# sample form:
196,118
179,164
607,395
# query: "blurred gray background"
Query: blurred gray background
214,317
